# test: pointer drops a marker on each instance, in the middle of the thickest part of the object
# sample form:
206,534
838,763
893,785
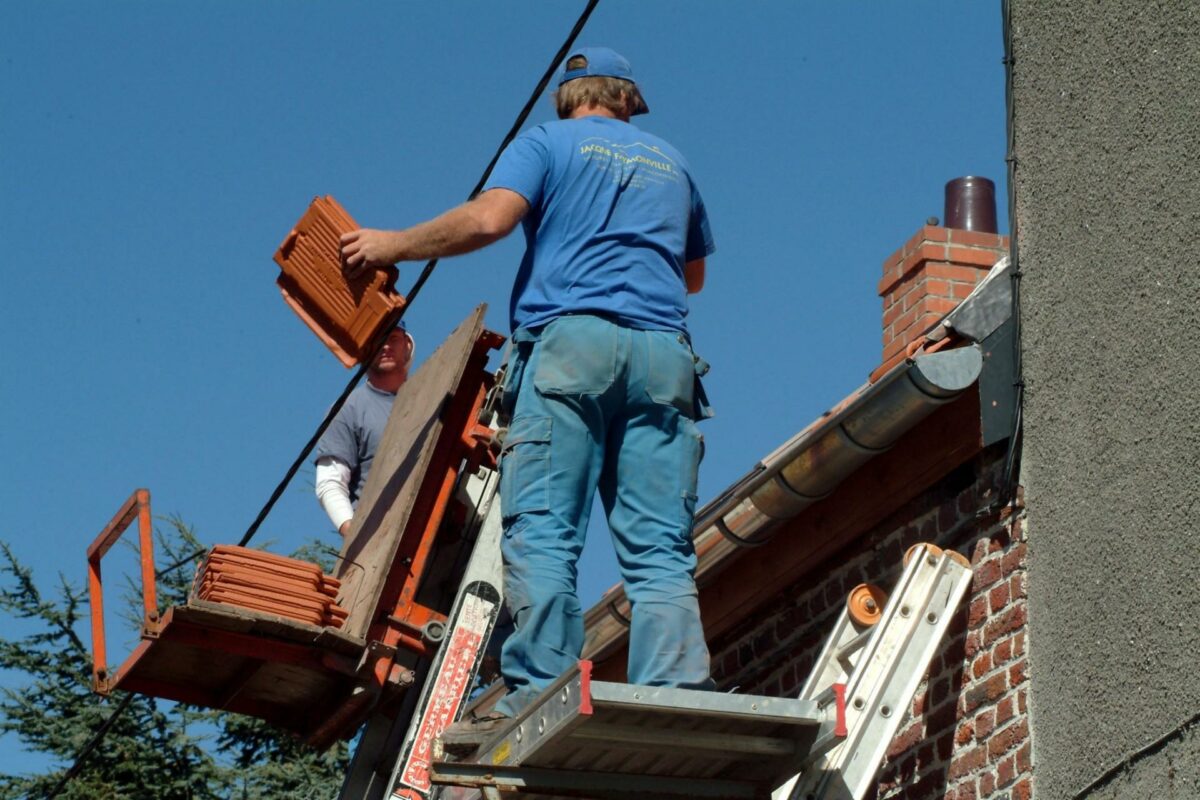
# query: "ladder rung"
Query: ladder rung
854,645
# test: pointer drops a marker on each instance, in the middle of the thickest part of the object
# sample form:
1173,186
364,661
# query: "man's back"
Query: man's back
610,226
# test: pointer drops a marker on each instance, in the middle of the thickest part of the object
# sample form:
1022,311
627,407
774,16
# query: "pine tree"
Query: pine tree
155,750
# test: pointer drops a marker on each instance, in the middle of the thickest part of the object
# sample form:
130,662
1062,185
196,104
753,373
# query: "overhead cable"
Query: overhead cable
410,297
569,42
424,276
81,756
1008,489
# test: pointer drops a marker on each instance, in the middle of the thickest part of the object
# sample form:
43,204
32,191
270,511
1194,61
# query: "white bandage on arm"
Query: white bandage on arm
333,489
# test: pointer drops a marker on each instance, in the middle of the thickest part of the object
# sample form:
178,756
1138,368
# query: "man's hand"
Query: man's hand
367,249
344,528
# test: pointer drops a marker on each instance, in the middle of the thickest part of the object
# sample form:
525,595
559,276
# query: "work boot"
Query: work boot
464,737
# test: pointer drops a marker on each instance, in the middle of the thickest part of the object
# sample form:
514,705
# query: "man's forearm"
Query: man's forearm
459,230
332,485
463,229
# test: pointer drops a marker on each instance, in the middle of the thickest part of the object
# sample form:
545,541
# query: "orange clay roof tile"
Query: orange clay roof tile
346,314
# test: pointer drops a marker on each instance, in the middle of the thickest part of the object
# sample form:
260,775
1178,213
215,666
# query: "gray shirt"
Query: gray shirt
356,431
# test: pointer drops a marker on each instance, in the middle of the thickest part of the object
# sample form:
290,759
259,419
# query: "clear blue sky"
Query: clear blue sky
153,156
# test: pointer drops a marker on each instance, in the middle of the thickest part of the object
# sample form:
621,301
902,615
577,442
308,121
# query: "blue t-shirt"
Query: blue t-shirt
614,216
356,431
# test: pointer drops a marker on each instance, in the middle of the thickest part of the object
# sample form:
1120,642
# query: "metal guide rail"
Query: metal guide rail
591,739
392,759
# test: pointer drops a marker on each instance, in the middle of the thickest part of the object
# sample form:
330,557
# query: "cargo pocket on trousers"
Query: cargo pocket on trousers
688,512
671,377
576,355
525,467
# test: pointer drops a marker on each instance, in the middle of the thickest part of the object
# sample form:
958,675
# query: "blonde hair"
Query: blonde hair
619,96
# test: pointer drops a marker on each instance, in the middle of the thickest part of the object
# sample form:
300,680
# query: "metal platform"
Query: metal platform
585,738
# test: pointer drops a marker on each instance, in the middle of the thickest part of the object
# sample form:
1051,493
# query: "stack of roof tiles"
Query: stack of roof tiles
264,582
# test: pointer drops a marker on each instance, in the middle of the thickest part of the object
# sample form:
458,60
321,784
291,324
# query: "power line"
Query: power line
410,297
1013,454
81,757
424,276
516,127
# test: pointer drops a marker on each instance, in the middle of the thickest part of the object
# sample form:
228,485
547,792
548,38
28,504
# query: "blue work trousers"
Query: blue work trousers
600,406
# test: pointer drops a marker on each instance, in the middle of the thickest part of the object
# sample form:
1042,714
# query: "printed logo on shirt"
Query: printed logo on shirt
636,165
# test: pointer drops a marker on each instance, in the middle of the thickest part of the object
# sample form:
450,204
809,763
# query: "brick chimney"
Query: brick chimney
930,275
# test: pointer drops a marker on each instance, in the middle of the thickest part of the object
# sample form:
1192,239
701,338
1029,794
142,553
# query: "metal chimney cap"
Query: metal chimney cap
971,204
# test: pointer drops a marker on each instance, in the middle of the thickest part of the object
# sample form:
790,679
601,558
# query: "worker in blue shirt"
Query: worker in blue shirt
602,386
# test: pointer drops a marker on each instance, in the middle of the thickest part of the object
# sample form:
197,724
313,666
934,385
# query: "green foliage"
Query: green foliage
156,750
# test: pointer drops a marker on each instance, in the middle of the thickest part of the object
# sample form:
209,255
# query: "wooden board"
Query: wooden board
400,466
220,616
221,657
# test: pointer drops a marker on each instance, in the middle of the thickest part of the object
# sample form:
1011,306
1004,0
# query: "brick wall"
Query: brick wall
928,277
967,734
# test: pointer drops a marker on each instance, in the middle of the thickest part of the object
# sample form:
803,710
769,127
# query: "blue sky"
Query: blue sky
153,156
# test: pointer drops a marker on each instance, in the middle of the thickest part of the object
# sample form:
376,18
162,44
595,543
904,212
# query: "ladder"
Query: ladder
873,672
594,739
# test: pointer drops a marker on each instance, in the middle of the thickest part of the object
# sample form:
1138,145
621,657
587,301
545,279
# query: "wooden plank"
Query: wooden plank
205,614
399,468
234,686
186,670
300,689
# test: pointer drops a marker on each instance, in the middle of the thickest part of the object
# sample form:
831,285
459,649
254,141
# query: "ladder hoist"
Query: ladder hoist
420,578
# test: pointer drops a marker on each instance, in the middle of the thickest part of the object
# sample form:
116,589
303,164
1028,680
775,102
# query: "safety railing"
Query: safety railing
137,506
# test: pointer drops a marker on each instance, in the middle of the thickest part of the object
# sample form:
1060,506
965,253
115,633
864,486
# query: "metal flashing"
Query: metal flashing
986,308
996,384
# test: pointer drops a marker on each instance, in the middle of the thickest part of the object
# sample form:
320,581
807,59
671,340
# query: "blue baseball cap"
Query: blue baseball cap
602,62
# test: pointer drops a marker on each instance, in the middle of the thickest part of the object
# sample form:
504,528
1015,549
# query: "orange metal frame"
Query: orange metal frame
137,506
398,621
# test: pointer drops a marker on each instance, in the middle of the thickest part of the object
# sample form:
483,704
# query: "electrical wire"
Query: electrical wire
1137,755
410,297
1008,489
515,129
82,755
425,272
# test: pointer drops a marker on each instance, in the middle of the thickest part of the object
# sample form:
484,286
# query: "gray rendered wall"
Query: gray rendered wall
1107,99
